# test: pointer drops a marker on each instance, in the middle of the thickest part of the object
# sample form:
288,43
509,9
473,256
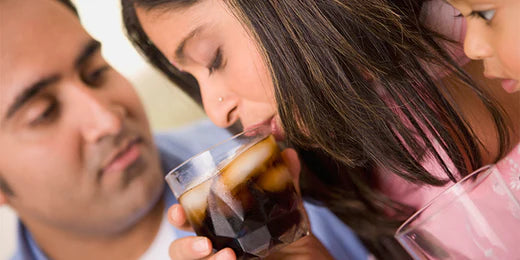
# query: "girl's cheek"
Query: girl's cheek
510,58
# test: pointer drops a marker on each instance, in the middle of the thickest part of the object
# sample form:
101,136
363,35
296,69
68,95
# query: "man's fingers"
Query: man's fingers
177,218
190,248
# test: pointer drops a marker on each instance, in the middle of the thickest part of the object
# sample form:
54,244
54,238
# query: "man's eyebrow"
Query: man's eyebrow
90,48
179,52
29,93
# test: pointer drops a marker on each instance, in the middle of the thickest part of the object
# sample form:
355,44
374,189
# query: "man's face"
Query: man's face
75,147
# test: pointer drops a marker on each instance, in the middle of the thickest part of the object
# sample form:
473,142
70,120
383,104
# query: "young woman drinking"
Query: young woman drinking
374,100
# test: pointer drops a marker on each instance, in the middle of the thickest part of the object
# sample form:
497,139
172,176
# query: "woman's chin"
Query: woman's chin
277,129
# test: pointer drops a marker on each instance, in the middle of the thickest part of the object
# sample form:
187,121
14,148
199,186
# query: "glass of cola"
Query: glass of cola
240,195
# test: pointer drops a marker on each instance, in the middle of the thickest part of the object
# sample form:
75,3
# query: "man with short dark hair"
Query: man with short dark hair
78,163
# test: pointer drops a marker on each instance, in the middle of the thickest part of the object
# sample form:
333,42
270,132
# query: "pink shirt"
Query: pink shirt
509,167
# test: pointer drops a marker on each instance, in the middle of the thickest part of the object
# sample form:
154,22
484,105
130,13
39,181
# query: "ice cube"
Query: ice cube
249,163
256,242
222,200
195,201
275,178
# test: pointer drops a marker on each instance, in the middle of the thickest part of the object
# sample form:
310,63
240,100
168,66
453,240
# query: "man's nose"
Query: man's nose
476,45
220,105
101,117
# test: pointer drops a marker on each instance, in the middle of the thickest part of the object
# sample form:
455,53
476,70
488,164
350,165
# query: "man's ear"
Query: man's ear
5,191
3,198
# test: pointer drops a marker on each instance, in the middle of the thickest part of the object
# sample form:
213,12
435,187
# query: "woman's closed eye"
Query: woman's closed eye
216,62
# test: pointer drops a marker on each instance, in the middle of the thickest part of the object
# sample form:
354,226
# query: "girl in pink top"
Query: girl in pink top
500,51
493,37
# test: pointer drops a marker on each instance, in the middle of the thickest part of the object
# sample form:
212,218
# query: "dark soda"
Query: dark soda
250,205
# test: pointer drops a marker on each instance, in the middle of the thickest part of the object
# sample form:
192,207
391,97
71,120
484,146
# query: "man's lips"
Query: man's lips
123,157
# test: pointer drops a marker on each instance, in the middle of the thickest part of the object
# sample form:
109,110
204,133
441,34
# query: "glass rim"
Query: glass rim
406,225
172,171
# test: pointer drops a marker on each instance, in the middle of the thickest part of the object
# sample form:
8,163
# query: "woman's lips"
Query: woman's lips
275,128
510,85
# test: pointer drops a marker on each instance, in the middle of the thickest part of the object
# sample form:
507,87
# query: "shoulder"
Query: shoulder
26,249
509,167
339,239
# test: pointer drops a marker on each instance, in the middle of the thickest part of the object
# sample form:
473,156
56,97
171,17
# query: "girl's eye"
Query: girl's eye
216,63
486,15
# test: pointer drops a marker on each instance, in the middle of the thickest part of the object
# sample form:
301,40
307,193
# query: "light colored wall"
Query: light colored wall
167,107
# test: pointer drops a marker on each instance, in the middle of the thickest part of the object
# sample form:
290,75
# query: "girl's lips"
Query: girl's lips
510,85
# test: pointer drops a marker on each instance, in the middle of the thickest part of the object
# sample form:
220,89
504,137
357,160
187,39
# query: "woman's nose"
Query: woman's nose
220,106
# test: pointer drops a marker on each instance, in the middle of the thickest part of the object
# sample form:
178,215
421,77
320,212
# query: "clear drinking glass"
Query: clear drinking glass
476,218
240,194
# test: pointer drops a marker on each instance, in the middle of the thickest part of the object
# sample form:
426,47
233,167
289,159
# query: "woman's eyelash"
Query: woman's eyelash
217,61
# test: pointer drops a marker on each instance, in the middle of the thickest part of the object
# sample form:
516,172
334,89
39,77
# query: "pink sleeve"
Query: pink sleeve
509,167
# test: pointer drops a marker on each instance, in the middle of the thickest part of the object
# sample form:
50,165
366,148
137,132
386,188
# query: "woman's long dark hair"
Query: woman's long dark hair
354,95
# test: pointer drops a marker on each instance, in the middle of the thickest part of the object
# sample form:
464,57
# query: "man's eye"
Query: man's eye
96,78
48,115
486,15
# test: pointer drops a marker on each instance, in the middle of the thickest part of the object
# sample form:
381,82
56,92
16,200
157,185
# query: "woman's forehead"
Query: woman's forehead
170,29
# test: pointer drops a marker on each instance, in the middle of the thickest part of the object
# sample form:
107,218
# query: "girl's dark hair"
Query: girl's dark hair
351,73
